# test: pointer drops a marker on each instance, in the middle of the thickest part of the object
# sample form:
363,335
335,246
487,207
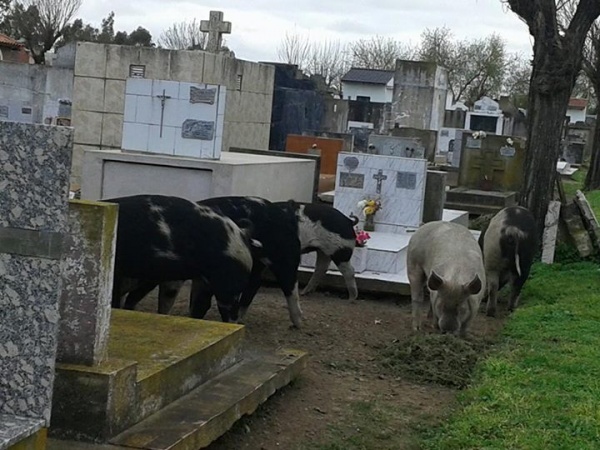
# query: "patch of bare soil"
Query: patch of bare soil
347,343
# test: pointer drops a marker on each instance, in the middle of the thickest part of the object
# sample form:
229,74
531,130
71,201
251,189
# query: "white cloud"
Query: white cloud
259,25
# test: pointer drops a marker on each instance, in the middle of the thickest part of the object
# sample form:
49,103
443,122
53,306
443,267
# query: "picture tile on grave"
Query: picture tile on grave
398,182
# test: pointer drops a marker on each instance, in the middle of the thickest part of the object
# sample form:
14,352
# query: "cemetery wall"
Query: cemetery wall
99,93
33,86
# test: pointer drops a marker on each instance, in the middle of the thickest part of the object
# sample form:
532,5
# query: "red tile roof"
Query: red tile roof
7,41
578,103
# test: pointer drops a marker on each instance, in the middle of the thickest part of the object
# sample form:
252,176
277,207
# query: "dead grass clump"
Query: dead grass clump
435,358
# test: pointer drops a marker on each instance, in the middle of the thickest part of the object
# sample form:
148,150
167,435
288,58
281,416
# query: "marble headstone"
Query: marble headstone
398,182
35,164
174,118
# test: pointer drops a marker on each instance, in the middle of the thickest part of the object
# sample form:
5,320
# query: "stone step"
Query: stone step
152,361
18,432
205,414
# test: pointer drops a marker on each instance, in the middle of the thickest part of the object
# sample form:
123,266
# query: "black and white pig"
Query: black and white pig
275,228
331,234
509,245
445,258
164,238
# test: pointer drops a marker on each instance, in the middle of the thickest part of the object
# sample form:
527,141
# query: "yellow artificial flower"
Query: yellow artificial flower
369,210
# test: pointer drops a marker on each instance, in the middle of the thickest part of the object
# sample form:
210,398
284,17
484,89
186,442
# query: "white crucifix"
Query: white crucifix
215,27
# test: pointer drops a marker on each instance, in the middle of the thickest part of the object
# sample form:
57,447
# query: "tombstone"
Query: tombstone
329,149
419,98
174,118
435,196
398,182
427,139
492,163
88,276
34,191
397,146
486,116
215,27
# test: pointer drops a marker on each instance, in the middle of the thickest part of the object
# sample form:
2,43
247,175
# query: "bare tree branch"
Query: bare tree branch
183,36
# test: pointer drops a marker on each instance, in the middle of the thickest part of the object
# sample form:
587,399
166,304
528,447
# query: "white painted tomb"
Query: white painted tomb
400,185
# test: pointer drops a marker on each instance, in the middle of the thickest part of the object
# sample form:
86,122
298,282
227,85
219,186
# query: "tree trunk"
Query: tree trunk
592,179
547,114
550,89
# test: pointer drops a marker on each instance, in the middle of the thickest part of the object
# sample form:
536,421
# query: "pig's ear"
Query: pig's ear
474,286
435,281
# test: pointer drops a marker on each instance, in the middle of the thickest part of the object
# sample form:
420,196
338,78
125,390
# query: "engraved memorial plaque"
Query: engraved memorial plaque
198,129
406,180
199,95
473,143
507,151
352,180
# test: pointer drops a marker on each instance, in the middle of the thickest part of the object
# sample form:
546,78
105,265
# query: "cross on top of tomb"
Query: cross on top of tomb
215,27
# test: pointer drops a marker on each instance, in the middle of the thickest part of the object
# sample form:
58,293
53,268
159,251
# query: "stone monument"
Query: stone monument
34,193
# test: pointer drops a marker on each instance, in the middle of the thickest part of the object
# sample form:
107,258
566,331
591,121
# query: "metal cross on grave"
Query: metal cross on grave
163,99
215,27
379,176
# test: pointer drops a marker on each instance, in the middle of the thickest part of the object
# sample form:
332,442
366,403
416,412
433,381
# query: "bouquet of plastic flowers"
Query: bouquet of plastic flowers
369,206
362,237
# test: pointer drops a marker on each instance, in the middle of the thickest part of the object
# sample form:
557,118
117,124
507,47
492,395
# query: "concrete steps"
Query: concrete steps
157,364
200,417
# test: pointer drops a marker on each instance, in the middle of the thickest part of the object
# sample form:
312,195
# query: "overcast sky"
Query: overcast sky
259,25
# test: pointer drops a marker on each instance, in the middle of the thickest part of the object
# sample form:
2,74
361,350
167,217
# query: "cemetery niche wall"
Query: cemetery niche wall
162,122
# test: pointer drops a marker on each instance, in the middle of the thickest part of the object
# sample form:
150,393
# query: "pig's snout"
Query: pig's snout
449,324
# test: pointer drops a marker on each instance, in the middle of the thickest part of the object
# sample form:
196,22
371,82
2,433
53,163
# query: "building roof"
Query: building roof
578,103
368,76
7,41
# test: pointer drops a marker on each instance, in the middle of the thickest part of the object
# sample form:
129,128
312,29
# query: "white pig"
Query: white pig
445,258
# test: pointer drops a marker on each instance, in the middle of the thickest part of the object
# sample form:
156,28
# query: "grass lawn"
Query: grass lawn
541,388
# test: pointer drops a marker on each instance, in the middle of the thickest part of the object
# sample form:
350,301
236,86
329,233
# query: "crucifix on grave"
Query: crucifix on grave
215,27
163,98
380,177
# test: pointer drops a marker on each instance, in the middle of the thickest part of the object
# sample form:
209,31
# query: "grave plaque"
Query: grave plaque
352,180
473,143
198,95
399,183
406,180
198,129
507,151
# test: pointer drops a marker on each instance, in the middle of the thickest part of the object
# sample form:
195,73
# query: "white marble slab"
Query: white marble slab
149,126
401,191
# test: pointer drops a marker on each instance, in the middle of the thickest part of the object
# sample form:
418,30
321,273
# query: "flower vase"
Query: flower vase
369,222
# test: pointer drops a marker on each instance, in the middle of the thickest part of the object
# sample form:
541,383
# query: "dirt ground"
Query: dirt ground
343,339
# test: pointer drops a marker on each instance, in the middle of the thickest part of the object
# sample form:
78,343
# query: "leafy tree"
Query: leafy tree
557,60
516,80
78,31
40,23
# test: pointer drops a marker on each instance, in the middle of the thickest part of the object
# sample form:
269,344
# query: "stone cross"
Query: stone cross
379,176
215,27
